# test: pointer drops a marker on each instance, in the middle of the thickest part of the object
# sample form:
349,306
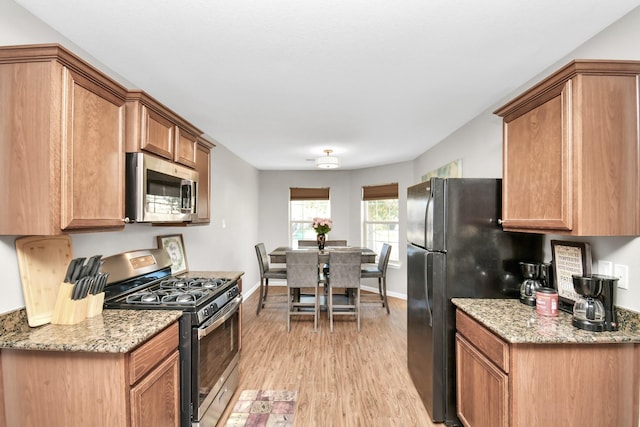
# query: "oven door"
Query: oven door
214,360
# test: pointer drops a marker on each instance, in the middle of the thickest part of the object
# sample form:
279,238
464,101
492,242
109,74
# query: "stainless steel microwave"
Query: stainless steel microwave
158,190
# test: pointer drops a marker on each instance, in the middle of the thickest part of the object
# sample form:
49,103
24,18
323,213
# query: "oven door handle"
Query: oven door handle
226,313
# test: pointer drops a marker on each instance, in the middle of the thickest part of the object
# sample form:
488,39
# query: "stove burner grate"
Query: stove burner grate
192,283
177,291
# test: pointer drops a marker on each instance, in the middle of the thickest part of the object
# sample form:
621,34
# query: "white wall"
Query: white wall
225,244
250,206
479,145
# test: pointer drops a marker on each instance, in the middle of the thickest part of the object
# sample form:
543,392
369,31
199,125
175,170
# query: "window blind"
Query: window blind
380,192
296,193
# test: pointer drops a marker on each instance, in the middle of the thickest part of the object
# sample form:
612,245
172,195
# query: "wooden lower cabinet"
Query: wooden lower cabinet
483,393
531,385
154,400
62,389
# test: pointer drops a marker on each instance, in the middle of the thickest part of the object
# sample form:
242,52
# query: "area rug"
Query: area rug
264,408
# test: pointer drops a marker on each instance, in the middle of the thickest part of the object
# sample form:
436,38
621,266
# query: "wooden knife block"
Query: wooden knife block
67,311
95,303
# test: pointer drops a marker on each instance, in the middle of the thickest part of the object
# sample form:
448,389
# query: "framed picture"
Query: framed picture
174,245
569,258
450,170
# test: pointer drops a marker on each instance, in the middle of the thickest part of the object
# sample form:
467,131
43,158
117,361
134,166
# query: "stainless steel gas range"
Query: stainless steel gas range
209,326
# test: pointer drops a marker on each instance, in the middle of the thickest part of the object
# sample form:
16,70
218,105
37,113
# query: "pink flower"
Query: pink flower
322,225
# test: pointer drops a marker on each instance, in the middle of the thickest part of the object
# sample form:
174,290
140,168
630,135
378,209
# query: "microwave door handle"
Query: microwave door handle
186,185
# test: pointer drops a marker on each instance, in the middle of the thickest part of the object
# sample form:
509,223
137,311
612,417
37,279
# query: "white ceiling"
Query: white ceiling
378,81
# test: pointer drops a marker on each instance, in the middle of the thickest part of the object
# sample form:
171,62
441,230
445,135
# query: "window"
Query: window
304,205
380,222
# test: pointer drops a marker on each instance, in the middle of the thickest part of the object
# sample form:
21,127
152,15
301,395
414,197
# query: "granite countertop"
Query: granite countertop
517,323
114,331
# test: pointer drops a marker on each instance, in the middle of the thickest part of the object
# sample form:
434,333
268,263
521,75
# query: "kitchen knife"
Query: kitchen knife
95,286
91,268
69,274
75,292
77,269
88,281
103,284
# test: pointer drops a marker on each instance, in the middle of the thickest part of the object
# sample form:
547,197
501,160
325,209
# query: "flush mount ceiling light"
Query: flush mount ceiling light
328,161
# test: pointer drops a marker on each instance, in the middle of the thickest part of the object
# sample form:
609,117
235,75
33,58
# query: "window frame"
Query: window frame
379,193
304,195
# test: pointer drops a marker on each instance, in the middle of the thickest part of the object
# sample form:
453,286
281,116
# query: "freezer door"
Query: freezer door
424,330
417,198
426,225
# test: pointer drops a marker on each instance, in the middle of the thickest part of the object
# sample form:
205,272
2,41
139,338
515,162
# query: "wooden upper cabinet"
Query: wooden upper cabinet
571,152
203,166
185,148
153,128
62,128
157,133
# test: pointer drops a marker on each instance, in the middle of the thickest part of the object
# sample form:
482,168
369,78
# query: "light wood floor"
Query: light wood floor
343,379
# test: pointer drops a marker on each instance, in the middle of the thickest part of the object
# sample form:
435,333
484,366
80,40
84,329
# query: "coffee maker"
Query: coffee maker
594,310
532,282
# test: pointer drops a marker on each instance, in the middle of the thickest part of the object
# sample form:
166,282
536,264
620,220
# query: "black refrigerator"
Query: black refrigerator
456,248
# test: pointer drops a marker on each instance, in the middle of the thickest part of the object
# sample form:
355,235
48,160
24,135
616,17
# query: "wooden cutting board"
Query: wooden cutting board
43,262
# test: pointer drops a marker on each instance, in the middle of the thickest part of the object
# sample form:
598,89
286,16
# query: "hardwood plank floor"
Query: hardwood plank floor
343,379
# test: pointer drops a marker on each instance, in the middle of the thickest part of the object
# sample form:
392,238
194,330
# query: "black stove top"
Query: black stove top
179,291
157,289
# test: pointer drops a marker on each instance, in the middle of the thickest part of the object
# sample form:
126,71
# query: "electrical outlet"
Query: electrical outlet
622,273
605,268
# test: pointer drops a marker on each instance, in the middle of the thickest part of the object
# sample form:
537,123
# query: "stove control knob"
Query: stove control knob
206,312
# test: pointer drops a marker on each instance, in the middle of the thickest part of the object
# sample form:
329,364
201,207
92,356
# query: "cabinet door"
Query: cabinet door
203,166
185,148
537,192
482,390
155,400
92,154
157,135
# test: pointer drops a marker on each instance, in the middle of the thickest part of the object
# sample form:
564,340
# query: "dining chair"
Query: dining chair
305,243
344,273
378,271
302,272
335,243
266,272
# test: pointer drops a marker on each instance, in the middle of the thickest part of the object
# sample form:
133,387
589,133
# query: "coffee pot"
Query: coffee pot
594,310
532,282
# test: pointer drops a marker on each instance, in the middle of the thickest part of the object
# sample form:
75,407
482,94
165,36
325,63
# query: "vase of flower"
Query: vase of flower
322,227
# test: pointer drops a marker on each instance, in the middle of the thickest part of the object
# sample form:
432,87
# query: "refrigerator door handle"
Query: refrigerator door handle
428,222
428,283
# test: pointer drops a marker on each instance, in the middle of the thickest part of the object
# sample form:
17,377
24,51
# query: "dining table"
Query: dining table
279,254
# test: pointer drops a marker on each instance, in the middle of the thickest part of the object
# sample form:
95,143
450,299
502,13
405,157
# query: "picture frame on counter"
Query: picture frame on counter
569,258
174,245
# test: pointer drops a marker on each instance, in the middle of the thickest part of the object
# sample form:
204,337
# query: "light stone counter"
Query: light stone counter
517,323
113,331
